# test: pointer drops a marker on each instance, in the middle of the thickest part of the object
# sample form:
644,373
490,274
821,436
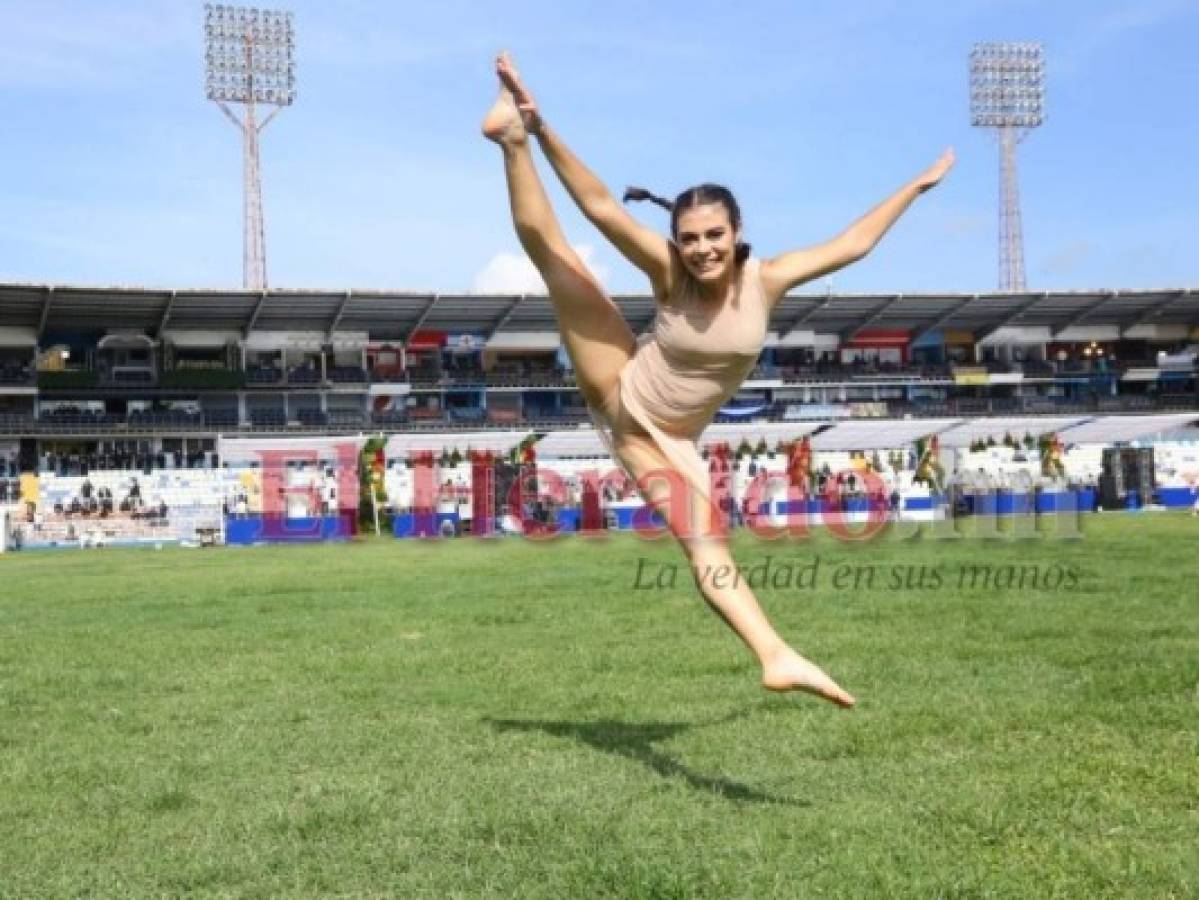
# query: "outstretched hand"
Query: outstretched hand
505,68
934,173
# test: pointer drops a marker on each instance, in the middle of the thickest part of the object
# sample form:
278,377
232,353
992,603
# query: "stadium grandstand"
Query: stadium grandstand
132,415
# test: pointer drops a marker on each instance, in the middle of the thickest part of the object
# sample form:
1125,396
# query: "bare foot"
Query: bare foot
502,123
788,671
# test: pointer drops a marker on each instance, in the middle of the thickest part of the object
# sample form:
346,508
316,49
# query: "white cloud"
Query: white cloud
514,273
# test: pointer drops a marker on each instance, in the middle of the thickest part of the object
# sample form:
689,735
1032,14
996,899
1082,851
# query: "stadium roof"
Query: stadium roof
395,316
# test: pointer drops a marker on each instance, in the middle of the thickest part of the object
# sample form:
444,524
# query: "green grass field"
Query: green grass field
505,718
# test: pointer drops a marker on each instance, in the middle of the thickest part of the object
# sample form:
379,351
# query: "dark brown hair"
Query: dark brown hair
700,195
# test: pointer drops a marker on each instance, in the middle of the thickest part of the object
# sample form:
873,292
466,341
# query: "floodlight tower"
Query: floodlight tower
250,60
1007,94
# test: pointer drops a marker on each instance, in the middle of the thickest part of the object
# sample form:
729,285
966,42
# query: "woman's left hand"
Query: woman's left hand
934,173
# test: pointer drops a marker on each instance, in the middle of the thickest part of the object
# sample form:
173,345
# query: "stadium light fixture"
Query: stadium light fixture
250,59
1007,95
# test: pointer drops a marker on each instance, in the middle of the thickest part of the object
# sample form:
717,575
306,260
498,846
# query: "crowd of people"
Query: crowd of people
99,502
74,464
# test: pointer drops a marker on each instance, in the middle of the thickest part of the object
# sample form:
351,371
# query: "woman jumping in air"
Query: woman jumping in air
652,398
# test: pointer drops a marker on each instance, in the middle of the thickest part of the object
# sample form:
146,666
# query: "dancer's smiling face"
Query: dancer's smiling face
707,241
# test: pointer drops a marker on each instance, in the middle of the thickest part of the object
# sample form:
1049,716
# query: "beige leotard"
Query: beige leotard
682,371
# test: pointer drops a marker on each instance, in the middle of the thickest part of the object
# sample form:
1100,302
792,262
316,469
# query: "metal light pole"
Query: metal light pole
250,59
1007,94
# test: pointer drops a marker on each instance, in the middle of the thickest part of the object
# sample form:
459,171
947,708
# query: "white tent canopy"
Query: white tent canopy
124,339
399,446
201,340
306,340
16,336
582,442
1109,429
1017,426
241,451
733,433
878,434
586,442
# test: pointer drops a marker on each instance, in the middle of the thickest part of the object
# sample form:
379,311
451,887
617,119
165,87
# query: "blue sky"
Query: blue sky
116,170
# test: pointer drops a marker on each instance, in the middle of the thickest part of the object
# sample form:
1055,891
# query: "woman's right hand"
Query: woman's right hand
505,68
934,173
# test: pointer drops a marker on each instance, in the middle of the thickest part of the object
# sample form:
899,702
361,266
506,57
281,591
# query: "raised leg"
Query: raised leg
593,330
782,668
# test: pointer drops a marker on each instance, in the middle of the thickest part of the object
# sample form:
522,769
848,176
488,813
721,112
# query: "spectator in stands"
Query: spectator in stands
729,508
329,494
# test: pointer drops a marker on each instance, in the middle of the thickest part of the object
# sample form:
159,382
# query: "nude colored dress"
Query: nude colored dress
683,370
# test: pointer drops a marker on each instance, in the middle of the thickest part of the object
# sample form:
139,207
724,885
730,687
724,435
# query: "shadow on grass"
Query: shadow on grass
635,741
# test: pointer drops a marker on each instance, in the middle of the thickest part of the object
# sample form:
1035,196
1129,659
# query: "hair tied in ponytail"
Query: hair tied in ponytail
637,194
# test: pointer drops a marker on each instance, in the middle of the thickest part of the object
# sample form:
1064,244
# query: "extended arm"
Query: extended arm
789,270
642,246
